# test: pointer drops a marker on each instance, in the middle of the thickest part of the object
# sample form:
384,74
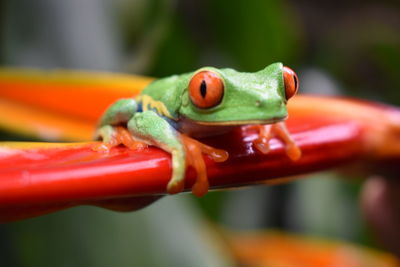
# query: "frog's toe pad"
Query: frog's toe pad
175,187
102,147
114,136
262,145
293,152
200,188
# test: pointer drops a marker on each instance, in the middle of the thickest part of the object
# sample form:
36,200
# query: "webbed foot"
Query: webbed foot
116,135
279,130
194,158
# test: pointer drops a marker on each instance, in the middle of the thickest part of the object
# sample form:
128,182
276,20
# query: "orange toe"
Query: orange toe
176,187
266,132
102,147
264,135
194,158
121,136
262,145
293,152
292,149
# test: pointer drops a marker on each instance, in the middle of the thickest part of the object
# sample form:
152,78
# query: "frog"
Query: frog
172,113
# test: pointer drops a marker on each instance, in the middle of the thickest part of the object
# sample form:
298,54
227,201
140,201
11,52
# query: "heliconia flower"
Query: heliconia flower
38,178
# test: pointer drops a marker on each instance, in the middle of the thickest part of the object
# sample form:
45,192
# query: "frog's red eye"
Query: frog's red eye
206,89
291,82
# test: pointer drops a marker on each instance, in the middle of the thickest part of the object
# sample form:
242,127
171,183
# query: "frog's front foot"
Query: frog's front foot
266,132
116,135
194,158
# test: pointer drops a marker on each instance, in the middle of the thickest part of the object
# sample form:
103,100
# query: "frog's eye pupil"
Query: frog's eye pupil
203,88
206,89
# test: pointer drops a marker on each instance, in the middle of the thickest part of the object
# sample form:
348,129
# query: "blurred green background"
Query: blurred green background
336,47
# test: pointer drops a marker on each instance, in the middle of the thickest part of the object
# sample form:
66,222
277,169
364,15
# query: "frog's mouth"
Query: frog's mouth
240,122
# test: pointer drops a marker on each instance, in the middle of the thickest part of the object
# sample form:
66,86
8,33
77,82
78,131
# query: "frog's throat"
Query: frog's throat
149,103
240,122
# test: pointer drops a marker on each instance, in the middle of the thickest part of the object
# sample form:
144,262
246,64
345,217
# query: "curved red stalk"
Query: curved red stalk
41,178
44,178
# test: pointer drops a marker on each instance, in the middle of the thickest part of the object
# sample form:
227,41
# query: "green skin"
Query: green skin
249,98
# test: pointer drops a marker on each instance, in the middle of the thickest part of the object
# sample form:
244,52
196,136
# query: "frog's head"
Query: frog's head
227,97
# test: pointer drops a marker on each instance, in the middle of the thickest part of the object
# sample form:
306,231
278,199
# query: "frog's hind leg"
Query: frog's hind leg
111,130
119,113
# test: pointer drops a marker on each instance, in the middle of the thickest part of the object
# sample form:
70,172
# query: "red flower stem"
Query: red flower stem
44,178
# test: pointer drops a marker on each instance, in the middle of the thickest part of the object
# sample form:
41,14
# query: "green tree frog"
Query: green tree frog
172,111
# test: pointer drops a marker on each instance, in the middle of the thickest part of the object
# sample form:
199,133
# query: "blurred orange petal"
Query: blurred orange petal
279,249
